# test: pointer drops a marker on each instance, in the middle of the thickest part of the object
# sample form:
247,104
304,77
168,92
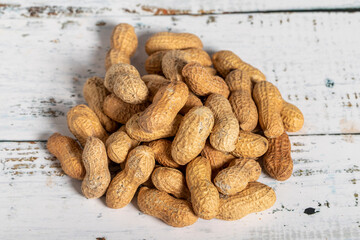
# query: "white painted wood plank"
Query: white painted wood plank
58,8
312,57
37,201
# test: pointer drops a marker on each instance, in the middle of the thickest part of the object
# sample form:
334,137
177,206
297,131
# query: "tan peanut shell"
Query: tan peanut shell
120,111
155,82
115,56
171,181
83,123
124,39
119,148
68,152
225,132
166,104
201,82
226,61
162,152
269,103
173,63
95,93
138,168
292,117
239,80
153,62
124,81
237,175
256,197
135,132
241,99
174,212
277,161
169,41
217,158
97,177
204,195
250,145
244,109
192,134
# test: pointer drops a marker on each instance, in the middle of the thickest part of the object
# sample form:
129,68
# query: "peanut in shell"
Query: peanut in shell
69,154
83,123
204,195
192,134
97,177
174,212
256,197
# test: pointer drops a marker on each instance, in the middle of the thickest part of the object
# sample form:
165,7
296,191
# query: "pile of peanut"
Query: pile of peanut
191,136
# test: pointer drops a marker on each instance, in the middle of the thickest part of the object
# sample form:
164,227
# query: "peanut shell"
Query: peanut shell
256,197
97,177
68,152
250,145
292,117
204,195
174,212
192,134
162,152
83,123
277,161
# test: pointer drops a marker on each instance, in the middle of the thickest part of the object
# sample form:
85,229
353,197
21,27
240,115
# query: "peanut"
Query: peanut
204,195
166,104
256,197
241,99
138,168
124,81
120,146
236,177
217,158
123,45
68,152
192,134
153,64
269,103
162,152
201,82
169,41
171,181
226,128
292,117
155,82
226,61
174,212
115,56
277,160
250,145
95,94
135,132
120,111
173,63
97,177
83,123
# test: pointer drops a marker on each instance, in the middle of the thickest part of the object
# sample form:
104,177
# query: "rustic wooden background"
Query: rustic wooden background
309,49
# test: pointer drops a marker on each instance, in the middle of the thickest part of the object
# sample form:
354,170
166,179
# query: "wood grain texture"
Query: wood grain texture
45,62
37,196
58,8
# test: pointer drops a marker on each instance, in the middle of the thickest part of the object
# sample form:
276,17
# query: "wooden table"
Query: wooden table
313,57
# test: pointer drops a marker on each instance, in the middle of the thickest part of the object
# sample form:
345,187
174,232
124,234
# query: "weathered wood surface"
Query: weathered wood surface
59,8
320,200
312,57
